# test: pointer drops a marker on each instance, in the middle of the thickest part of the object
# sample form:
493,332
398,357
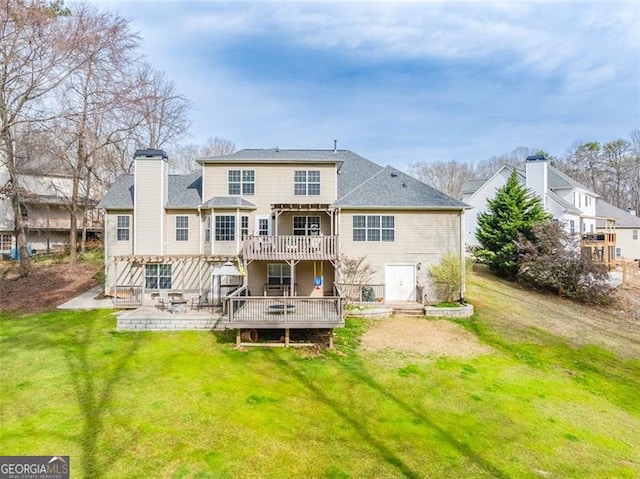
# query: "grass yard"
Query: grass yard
180,405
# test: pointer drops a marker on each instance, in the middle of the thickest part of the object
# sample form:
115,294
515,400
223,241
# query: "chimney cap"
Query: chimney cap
536,158
150,153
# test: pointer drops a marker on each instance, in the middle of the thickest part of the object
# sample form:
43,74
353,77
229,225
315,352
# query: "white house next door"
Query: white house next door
400,282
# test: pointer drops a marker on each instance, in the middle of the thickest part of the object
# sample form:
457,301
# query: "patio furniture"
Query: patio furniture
281,308
201,302
178,306
163,300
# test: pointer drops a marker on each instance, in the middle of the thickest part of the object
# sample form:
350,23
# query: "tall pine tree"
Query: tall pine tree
513,210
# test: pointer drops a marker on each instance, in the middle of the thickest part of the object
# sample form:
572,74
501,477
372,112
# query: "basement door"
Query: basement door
400,282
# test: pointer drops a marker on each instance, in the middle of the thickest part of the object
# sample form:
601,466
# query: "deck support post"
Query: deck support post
238,341
286,337
331,338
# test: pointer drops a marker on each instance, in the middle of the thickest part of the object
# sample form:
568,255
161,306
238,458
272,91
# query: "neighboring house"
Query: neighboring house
284,217
627,229
564,198
45,213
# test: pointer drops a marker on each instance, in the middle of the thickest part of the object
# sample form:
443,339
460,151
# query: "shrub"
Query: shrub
551,260
447,276
355,276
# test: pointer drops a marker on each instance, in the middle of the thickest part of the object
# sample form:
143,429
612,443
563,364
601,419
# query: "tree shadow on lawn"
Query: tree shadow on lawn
356,370
94,387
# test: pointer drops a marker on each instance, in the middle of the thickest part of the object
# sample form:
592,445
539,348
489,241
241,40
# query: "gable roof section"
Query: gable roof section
478,184
390,188
471,186
354,171
625,219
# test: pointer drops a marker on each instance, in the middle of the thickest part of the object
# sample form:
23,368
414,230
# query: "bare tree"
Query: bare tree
446,176
183,157
35,59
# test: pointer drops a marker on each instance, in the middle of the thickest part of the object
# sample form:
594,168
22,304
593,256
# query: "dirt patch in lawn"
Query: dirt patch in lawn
422,336
46,287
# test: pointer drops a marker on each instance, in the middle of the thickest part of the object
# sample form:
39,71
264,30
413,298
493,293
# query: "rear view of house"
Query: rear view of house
285,219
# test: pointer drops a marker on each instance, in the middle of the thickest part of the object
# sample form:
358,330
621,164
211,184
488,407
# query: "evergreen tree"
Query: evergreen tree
513,212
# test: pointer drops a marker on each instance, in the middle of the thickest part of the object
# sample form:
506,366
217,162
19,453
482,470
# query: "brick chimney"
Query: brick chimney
151,177
537,177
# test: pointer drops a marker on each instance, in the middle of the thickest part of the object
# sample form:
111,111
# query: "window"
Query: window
182,228
244,226
5,242
157,276
242,182
572,227
579,200
574,198
618,252
263,226
225,228
207,228
373,228
306,183
278,273
591,228
306,225
123,228
634,234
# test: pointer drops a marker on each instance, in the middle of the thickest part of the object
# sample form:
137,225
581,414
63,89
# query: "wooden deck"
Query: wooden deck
282,247
276,312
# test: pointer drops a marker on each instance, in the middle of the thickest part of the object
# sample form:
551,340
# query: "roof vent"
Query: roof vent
277,149
393,174
404,184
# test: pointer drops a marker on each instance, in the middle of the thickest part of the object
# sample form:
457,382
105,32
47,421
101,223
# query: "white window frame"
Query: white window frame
160,274
225,231
123,229
244,226
634,234
372,228
304,184
278,273
207,228
243,182
307,229
263,226
182,228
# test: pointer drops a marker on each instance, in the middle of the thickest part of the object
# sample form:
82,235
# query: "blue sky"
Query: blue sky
399,82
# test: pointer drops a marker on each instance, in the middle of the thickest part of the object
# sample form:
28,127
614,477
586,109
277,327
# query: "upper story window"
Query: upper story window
306,225
244,226
225,228
123,230
373,228
182,228
634,234
306,183
157,276
242,182
572,226
207,228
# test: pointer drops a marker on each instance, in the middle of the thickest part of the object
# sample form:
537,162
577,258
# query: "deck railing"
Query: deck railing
284,311
290,247
127,296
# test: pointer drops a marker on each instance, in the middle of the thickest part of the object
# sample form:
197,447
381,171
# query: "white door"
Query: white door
400,282
263,225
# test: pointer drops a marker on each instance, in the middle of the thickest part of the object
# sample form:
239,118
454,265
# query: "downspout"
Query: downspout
200,246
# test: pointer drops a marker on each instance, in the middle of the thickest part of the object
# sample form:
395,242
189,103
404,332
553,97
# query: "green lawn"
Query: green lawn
190,405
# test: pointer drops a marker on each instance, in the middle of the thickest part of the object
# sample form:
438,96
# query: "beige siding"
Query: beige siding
191,246
150,198
112,245
274,183
420,237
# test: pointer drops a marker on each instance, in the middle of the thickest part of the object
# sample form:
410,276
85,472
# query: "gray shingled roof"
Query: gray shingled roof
625,219
558,180
185,191
360,183
391,188
228,202
283,156
120,194
471,186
